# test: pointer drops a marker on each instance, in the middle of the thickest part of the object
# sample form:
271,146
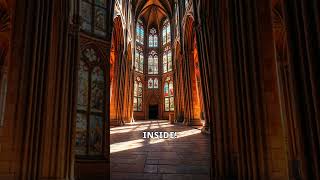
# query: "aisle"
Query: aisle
134,158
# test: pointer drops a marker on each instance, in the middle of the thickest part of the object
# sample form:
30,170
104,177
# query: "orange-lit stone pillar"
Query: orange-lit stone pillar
192,105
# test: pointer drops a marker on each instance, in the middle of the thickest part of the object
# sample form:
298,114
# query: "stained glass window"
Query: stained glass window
95,135
139,59
89,122
167,60
139,33
166,34
81,134
153,38
153,63
97,88
137,100
83,81
168,95
93,16
153,83
156,83
150,83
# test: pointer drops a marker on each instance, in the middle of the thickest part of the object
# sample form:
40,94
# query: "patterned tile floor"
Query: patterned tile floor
183,158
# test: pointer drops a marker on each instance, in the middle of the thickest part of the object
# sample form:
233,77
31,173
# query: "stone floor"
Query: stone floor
183,158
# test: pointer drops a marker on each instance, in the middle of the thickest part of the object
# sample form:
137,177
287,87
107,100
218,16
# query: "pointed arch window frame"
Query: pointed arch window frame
138,95
140,32
168,94
153,83
139,59
167,60
166,33
153,38
153,63
91,115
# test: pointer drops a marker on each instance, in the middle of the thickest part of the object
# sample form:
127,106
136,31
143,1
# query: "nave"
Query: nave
134,158
71,69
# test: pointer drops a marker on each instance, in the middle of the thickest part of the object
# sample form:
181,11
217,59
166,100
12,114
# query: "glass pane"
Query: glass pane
83,86
166,90
165,67
100,21
150,41
168,33
150,65
135,89
95,135
169,61
81,134
137,61
164,36
171,89
135,104
141,34
156,83
140,90
97,87
150,83
155,41
156,69
86,16
139,104
166,104
171,104
169,66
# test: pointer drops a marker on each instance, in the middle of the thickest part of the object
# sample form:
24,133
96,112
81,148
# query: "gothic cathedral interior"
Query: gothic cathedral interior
159,89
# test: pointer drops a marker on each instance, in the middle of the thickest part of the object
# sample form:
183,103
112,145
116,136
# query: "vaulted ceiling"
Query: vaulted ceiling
152,12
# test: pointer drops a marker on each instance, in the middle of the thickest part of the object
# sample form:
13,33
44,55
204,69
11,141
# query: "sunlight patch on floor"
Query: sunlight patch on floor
132,144
123,146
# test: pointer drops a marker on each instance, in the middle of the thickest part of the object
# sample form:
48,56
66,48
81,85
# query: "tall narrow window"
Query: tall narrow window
168,95
93,16
167,60
153,38
153,83
137,100
153,63
166,37
139,33
90,105
139,59
139,47
150,83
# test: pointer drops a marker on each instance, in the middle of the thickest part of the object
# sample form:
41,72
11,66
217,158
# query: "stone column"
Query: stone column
302,21
241,90
192,105
44,64
3,92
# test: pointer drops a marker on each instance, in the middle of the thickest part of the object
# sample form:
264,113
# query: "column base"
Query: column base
192,122
205,130
115,122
